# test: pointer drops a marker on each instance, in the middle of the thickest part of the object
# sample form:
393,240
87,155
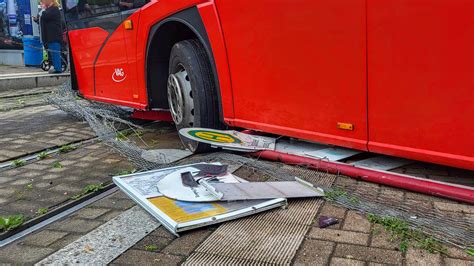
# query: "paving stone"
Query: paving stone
356,222
368,254
91,213
339,236
391,193
314,252
188,241
331,210
420,197
456,262
345,181
159,242
346,262
44,238
114,204
20,182
422,257
453,207
381,239
70,188
68,239
77,225
22,254
162,232
4,179
36,166
7,192
458,253
109,215
138,257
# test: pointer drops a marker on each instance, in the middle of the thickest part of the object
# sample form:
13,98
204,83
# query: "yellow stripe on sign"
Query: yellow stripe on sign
186,211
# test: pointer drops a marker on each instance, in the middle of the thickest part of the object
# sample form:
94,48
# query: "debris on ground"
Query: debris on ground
186,185
325,221
178,216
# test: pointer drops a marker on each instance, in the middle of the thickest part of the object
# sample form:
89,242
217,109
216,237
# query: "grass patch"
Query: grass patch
89,189
41,211
57,165
470,251
43,155
126,172
18,163
151,247
67,148
11,222
400,230
334,194
29,186
123,135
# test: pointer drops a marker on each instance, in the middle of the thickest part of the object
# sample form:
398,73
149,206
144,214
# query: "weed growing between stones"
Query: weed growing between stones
10,222
89,189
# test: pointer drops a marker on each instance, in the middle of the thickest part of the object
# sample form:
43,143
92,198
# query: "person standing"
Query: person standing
52,32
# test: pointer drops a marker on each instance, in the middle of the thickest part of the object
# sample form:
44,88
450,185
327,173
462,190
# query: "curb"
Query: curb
31,80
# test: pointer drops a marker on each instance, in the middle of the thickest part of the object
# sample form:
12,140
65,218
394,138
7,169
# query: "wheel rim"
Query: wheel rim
180,98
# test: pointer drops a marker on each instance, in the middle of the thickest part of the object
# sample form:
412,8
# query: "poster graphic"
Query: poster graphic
15,22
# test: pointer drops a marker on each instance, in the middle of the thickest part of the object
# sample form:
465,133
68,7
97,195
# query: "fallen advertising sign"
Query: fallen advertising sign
178,216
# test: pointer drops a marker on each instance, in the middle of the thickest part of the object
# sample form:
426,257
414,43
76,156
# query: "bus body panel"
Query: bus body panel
112,70
399,71
85,45
421,79
298,68
210,19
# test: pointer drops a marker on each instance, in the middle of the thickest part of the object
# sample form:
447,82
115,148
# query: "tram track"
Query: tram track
36,156
56,214
25,94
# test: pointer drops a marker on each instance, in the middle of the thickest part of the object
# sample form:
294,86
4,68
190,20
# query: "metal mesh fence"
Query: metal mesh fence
106,121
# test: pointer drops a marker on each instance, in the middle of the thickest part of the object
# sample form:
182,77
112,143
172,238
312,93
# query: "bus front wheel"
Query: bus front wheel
191,90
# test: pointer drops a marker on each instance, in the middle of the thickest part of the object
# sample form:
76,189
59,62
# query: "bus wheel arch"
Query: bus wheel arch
184,25
177,37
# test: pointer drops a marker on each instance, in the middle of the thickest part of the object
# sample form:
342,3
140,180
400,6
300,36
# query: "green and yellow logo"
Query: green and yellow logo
214,136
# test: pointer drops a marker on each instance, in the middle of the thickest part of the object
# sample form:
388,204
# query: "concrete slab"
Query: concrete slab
108,241
31,80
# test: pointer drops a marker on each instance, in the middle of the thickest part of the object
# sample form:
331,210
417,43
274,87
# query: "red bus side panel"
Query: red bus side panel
85,45
421,79
298,67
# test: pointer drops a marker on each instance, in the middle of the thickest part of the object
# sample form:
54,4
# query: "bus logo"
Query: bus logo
118,75
214,136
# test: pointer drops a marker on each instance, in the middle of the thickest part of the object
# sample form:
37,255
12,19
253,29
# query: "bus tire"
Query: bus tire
192,94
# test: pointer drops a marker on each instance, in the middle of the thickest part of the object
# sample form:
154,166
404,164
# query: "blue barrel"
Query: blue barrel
33,50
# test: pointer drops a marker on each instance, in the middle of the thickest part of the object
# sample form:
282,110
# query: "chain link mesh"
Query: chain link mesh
106,121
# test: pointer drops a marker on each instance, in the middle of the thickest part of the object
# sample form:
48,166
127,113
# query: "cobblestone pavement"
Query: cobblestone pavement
354,241
52,181
11,100
33,129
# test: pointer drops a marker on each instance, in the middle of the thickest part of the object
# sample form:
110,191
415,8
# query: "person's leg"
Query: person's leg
55,51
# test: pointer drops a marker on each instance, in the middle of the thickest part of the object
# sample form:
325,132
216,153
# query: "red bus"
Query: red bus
394,77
